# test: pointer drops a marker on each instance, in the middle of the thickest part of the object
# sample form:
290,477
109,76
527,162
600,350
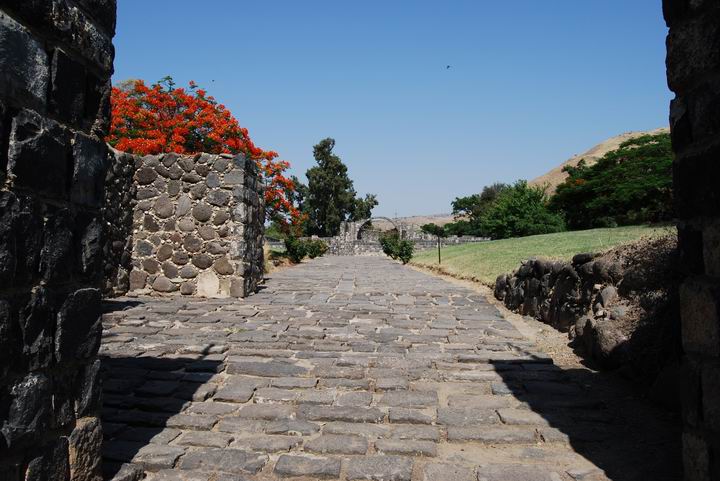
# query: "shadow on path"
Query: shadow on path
142,401
143,398
599,415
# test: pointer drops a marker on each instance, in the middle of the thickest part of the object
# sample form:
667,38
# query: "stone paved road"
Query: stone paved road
343,368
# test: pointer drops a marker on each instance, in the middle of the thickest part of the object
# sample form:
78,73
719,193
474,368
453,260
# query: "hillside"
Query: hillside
556,176
439,219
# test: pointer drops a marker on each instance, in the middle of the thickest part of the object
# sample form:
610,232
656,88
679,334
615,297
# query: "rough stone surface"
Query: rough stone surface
55,68
291,375
692,71
168,228
307,466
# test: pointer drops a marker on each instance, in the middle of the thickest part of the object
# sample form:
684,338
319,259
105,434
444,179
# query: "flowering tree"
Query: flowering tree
163,118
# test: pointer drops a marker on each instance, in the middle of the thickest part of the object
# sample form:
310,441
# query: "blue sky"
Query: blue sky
531,82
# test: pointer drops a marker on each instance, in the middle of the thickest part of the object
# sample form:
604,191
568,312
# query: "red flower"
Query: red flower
162,118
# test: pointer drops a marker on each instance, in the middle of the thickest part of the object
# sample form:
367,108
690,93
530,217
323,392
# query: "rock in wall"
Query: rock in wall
197,225
56,59
693,62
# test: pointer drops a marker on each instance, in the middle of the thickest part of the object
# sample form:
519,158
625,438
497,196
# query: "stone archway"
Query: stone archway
364,228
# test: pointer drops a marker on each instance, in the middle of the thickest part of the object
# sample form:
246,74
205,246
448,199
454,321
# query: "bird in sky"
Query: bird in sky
448,67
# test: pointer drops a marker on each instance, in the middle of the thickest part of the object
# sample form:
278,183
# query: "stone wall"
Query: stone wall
118,208
350,240
56,59
198,225
693,61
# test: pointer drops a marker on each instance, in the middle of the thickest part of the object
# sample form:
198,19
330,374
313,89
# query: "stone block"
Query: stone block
24,65
39,145
380,468
30,411
97,104
52,464
64,21
516,472
406,447
137,279
314,467
445,472
163,284
223,266
67,88
155,456
202,212
90,233
699,298
85,455
224,460
234,178
208,284
271,444
693,196
693,49
78,329
90,162
56,255
37,336
87,401
337,444
103,11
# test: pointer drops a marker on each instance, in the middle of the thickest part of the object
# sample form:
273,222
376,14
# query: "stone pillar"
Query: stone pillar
118,207
693,62
249,217
198,225
56,59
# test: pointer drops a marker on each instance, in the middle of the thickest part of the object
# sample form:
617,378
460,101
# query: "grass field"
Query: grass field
484,261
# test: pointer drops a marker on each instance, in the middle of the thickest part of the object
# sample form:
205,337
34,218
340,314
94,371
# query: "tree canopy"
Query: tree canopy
630,185
330,198
520,210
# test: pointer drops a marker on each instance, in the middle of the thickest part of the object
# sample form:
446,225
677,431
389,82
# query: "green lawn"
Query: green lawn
484,261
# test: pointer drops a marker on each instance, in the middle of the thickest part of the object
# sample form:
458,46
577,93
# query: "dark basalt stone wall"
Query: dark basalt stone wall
693,62
56,59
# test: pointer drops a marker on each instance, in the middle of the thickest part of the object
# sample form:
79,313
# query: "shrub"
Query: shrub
405,250
395,248
520,211
389,242
630,185
296,249
315,248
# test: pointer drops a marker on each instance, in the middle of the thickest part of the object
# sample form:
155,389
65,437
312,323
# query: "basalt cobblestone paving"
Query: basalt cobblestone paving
342,368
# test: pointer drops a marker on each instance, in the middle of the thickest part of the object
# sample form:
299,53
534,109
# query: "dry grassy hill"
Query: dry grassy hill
556,176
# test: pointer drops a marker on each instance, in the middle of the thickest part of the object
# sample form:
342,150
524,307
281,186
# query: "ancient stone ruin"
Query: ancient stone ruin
363,237
196,225
56,58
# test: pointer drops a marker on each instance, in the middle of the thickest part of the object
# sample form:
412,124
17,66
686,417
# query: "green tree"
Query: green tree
519,211
469,210
438,231
630,185
330,196
363,207
297,195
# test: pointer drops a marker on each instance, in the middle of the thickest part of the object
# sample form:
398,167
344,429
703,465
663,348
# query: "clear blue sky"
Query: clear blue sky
532,82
